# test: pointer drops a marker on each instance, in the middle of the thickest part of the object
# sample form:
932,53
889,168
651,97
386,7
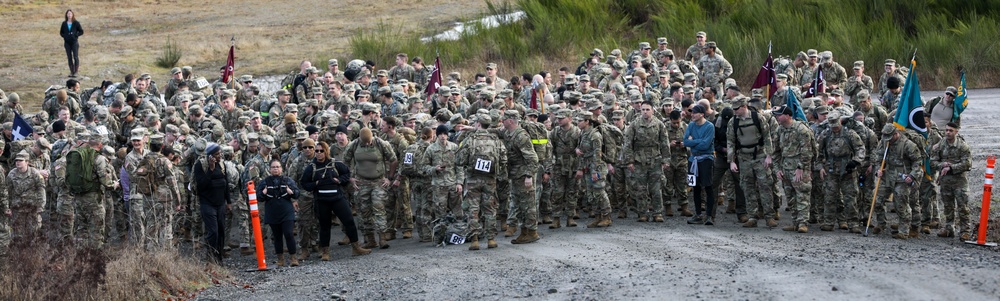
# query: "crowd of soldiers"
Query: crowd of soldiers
608,138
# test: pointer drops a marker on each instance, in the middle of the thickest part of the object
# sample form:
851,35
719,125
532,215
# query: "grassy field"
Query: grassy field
272,37
948,34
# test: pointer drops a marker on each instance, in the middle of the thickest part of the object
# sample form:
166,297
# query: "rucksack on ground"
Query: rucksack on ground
80,175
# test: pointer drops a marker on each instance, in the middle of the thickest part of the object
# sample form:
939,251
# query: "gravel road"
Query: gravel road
660,261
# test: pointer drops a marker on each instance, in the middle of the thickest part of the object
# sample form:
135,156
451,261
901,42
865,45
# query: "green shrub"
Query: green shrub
170,56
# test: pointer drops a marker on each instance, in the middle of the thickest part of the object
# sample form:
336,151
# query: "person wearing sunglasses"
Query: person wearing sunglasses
326,177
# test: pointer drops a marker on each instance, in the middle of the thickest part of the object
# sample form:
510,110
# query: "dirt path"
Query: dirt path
669,261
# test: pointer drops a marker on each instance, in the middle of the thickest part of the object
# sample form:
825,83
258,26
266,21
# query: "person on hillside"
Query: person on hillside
70,30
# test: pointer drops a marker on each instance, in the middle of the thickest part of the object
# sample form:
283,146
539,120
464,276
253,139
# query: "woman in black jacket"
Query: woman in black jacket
213,196
70,32
325,178
279,195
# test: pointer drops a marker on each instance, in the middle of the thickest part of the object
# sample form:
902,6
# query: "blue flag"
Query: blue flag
21,129
910,111
793,103
961,101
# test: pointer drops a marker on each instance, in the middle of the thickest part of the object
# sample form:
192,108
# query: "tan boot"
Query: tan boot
843,226
570,222
384,243
593,223
324,254
281,260
751,223
491,244
531,237
295,261
524,231
643,219
743,217
356,249
605,221
345,241
370,242
407,234
547,219
803,229
669,210
925,229
771,223
246,251
510,231
305,253
789,228
946,233
474,243
554,225
685,211
658,218
900,235
777,215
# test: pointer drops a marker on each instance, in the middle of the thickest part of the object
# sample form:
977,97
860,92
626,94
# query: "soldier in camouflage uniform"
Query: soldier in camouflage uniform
841,152
902,171
8,109
857,82
412,167
865,179
593,164
890,71
714,68
310,87
749,149
794,157
695,51
953,158
374,160
564,139
438,162
476,165
5,219
833,73
136,200
523,164
676,174
65,209
819,126
237,222
647,152
164,201
540,140
402,70
26,196
398,211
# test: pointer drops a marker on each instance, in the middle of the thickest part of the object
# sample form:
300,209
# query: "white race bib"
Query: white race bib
692,180
484,165
456,239
202,83
408,159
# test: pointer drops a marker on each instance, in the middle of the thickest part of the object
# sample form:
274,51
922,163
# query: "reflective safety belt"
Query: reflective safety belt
539,141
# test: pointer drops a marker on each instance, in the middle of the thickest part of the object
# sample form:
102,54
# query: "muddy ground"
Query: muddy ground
660,261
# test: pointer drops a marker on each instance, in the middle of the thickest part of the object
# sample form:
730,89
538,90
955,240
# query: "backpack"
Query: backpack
448,230
610,138
80,175
486,158
408,164
756,123
145,182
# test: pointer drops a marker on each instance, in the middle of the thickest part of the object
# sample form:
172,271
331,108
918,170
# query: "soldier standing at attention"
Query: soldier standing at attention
372,159
793,157
714,68
523,162
952,157
902,171
478,159
749,152
564,139
647,152
594,166
26,196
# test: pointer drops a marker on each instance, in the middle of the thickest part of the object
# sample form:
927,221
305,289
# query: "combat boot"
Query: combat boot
643,219
384,243
623,213
856,230
570,222
530,237
877,230
803,228
965,236
843,226
391,235
744,218
900,235
555,225
826,228
547,219
914,231
771,223
777,215
370,242
789,228
474,243
731,208
946,233
658,218
246,251
357,249
925,229
305,253
345,241
593,223
935,224
295,261
751,223
605,221
324,254
509,232
491,244
669,210
685,211
524,231
407,234
281,260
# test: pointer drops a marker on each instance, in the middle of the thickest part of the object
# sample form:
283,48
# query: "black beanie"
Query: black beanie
58,126
441,129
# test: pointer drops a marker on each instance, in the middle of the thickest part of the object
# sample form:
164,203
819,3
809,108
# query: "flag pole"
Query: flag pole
767,92
232,75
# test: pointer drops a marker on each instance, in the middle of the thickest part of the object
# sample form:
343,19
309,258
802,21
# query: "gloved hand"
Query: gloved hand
852,165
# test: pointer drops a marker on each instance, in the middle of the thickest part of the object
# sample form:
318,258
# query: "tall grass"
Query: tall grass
947,35
170,56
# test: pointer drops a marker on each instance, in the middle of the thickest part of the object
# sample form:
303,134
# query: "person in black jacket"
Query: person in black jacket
325,178
279,194
213,195
70,32
737,202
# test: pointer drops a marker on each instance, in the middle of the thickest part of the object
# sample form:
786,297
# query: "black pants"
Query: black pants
325,210
214,218
703,190
72,55
283,234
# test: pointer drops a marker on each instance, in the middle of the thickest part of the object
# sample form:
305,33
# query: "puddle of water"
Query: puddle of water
487,22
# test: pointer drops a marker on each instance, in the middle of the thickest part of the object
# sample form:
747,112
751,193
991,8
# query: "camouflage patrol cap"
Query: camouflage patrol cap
826,55
23,156
505,93
95,137
863,95
175,70
443,114
812,53
354,114
739,102
584,115
782,77
13,97
890,62
834,118
710,44
487,94
312,70
364,93
292,108
332,62
888,129
597,52
491,66
192,110
531,112
156,139
571,95
43,143
281,92
616,52
667,51
456,91
311,103
951,90
584,78
267,141
858,65
822,110
246,78
382,72
836,92
570,79
661,40
688,89
690,76
618,114
138,133
801,55
186,69
243,119
145,76
172,129
384,90
512,114
483,119
8,126
563,113
619,65
700,34
756,93
644,45
300,135
228,93
151,118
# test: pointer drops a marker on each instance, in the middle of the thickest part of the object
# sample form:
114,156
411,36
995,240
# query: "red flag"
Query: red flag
435,81
227,73
765,78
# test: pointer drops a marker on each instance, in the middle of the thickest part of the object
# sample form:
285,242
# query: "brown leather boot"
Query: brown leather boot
771,223
925,229
570,222
370,242
356,249
946,233
803,228
384,243
281,260
658,218
643,219
669,210
547,219
491,244
509,232
345,241
685,211
743,217
295,261
593,223
555,225
530,237
474,243
605,221
750,223
407,234
324,254
305,253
